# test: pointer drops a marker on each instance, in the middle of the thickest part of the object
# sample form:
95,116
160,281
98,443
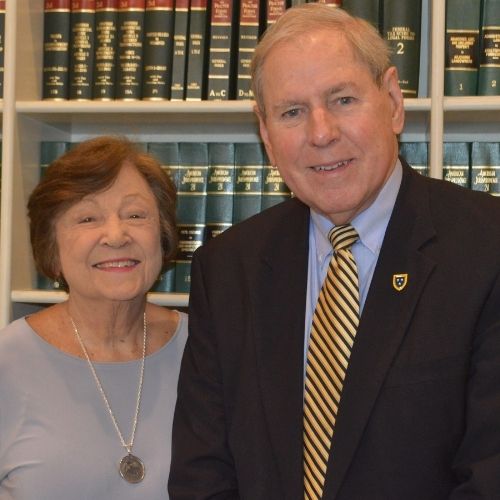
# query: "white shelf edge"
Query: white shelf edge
471,103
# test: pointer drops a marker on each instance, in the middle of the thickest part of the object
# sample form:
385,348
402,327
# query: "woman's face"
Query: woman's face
109,243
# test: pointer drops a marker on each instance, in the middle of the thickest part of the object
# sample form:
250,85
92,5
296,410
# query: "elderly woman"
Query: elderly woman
88,386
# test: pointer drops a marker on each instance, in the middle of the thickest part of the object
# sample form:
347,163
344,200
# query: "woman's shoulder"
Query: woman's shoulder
14,333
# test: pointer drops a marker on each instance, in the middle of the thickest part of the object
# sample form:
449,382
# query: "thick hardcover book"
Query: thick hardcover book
191,205
196,58
81,51
369,10
56,22
157,57
489,63
167,154
417,155
249,160
220,189
462,47
129,49
456,161
485,167
106,18
274,189
2,44
401,30
274,9
247,40
181,27
221,50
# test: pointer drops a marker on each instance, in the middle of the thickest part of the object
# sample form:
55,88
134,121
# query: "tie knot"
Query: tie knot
342,236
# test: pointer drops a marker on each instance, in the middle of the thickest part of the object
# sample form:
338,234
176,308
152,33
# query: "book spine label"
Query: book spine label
195,77
179,50
247,40
81,49
129,49
274,189
485,167
456,161
274,9
57,14
158,33
489,64
106,14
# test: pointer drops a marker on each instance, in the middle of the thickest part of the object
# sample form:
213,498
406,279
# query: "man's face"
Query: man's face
328,127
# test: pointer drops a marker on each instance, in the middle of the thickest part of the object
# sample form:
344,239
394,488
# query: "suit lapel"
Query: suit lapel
384,320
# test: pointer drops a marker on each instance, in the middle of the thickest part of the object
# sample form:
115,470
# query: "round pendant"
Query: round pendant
132,469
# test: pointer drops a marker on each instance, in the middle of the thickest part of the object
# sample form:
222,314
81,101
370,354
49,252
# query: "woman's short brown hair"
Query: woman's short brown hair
88,168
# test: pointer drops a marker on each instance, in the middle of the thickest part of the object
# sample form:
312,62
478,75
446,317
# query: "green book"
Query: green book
56,22
247,40
106,17
401,30
456,160
274,189
485,167
274,9
220,189
177,92
461,47
129,50
249,171
417,155
2,44
167,154
196,58
369,10
191,205
489,62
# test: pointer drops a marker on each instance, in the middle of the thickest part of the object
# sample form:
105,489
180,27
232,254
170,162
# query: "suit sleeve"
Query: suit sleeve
477,462
202,466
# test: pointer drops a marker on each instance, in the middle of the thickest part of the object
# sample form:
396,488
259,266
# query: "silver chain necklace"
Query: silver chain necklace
131,467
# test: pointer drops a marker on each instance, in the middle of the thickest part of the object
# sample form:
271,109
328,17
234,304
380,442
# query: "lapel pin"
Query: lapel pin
399,281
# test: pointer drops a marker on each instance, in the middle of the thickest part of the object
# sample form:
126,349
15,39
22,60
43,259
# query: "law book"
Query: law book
461,47
181,27
196,55
456,161
129,49
485,167
2,44
369,10
249,160
106,19
221,50
489,62
417,155
167,154
191,205
274,188
401,29
220,189
56,23
273,10
247,40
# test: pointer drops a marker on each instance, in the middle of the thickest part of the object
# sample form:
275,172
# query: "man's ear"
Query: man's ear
391,86
264,134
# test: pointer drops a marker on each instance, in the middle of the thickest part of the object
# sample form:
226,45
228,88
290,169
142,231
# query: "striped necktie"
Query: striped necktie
334,326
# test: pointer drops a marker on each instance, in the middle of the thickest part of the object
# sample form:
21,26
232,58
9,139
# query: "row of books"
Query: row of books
472,65
218,185
187,49
474,165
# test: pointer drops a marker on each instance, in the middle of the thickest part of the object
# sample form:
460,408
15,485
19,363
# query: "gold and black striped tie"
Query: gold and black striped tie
334,326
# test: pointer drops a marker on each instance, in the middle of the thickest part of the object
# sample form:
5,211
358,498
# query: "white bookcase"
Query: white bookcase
27,120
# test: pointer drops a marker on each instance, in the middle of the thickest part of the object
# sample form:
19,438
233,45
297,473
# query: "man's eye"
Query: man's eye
345,100
84,220
291,113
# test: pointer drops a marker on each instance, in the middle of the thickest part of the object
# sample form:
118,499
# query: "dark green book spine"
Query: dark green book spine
221,51
191,205
220,189
106,18
274,189
129,49
81,55
181,27
2,44
247,40
167,154
485,167
369,10
417,155
462,47
56,22
158,42
456,161
274,9
401,30
489,64
249,167
196,59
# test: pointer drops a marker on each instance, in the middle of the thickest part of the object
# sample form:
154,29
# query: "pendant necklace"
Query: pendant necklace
131,467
